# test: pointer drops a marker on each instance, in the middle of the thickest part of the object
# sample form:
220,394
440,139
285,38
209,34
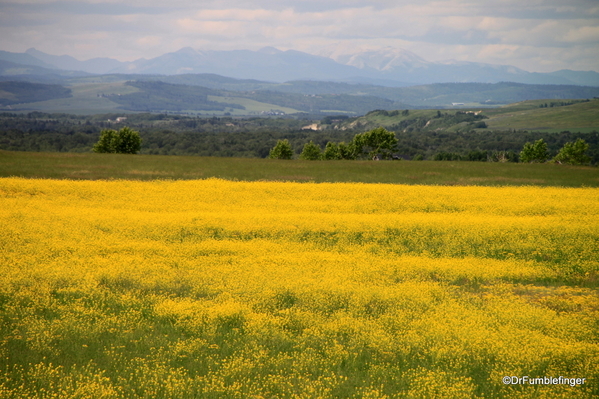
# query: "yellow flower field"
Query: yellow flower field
220,289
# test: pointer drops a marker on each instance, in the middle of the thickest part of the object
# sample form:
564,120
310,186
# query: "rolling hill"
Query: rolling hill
209,94
538,115
23,92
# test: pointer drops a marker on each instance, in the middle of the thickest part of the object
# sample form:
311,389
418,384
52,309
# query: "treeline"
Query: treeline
441,120
562,103
67,123
160,96
380,144
255,137
24,92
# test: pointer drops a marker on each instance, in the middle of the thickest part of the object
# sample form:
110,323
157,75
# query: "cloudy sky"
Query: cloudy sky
535,35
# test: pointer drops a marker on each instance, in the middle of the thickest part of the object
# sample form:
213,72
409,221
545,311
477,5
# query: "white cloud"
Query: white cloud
584,34
533,35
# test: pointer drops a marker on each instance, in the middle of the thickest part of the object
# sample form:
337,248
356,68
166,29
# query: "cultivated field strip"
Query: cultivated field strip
220,289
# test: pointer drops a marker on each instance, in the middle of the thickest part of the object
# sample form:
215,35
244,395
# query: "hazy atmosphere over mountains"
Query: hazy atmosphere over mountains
386,67
380,39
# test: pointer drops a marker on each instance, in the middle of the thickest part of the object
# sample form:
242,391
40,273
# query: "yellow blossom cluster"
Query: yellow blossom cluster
220,289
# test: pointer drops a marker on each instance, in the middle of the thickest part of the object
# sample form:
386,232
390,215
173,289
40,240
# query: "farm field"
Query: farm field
237,289
527,115
250,106
85,99
90,166
530,115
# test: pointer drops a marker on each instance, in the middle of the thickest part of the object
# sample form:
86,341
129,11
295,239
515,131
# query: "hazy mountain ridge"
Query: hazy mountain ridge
202,93
94,65
11,71
264,64
24,59
384,59
386,66
206,94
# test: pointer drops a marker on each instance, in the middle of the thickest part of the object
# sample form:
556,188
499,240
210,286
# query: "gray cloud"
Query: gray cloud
81,8
540,35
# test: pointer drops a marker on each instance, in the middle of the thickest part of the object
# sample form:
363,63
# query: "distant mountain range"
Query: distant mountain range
269,81
389,67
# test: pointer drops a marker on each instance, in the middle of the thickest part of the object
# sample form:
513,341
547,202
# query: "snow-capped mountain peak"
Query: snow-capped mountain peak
380,59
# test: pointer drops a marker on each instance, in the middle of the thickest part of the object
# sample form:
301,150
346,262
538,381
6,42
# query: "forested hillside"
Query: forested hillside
159,96
254,137
24,92
542,115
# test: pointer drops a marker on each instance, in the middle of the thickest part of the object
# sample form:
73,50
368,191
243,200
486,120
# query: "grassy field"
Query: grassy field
528,116
220,289
251,106
129,276
85,100
148,167
525,115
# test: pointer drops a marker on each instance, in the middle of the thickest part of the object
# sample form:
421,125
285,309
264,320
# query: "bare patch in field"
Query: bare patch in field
292,177
502,179
198,173
60,155
73,166
148,172
82,174
66,165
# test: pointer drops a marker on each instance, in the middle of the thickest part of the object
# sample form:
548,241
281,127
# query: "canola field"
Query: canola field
221,289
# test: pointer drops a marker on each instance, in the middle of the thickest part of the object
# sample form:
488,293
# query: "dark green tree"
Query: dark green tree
125,141
534,152
129,141
447,156
107,141
376,142
574,153
282,150
347,151
331,151
311,152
